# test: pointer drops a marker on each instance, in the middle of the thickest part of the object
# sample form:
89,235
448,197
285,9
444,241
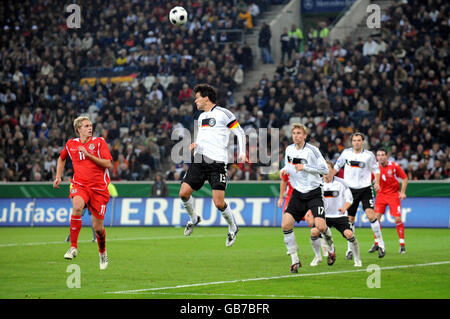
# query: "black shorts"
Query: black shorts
205,169
340,223
300,203
363,195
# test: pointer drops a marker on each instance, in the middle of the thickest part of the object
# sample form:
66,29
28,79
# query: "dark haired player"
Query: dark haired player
211,157
389,195
359,164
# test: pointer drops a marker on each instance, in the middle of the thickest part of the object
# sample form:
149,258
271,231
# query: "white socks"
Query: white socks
352,227
189,205
377,231
228,216
315,243
291,245
328,238
353,243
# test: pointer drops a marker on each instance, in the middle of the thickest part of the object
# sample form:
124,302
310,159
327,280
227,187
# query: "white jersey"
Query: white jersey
309,178
357,167
336,194
214,129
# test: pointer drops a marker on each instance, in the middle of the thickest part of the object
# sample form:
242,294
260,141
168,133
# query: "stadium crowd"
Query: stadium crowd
394,87
43,64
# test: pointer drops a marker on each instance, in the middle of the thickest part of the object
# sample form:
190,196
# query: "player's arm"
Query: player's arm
339,163
375,168
240,134
348,198
403,189
321,165
60,167
401,173
283,185
103,162
288,168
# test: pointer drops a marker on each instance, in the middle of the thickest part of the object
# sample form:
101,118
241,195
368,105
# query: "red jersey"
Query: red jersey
86,172
389,185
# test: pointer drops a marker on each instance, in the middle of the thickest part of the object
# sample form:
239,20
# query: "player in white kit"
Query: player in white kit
338,198
358,165
210,158
303,163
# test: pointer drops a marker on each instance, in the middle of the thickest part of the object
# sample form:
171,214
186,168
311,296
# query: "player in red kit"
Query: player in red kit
91,162
389,194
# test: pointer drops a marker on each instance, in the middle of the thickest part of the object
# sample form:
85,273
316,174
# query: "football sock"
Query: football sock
315,243
352,227
375,237
376,228
324,246
355,247
228,216
75,227
401,233
328,238
189,205
101,241
291,245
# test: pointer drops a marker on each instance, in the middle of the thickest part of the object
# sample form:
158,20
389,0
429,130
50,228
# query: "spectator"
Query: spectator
264,43
159,187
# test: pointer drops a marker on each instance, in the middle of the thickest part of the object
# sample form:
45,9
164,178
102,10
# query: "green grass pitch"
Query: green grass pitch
159,262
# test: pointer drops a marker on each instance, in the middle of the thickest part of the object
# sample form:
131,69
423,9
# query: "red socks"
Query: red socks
401,233
75,227
101,242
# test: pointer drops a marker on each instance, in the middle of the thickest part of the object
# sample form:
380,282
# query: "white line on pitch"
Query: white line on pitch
108,239
276,277
242,295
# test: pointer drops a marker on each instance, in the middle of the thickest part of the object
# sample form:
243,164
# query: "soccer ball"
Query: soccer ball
178,16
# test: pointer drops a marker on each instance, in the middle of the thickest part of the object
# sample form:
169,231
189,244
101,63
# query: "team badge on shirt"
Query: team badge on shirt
296,160
209,122
330,194
91,146
355,164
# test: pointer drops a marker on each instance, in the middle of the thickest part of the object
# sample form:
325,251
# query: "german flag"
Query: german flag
233,124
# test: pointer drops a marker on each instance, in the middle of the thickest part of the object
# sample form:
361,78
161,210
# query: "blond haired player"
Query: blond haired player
91,160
